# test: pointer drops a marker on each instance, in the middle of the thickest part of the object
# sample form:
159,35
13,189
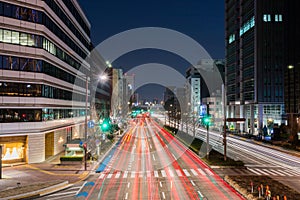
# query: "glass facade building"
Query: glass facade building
255,62
43,47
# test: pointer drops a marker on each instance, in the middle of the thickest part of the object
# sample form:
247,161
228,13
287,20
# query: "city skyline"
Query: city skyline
190,17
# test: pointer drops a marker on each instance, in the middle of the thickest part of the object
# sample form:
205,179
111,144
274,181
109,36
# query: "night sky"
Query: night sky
201,20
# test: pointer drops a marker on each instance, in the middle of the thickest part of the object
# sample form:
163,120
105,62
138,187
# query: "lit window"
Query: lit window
231,38
15,37
23,39
1,35
7,36
267,18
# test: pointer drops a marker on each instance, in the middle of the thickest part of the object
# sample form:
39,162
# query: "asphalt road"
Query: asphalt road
259,159
149,163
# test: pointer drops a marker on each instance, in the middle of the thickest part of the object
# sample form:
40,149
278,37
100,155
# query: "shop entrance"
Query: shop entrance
49,144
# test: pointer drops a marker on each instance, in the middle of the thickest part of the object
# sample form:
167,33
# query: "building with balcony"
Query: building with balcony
43,47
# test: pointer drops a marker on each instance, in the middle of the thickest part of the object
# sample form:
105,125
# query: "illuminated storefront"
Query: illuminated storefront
13,149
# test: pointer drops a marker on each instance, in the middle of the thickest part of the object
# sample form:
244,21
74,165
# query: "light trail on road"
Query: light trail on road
150,163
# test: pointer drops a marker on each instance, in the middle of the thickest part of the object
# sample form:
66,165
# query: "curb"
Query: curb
40,192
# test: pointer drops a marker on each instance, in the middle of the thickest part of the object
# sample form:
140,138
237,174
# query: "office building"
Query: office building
255,62
43,47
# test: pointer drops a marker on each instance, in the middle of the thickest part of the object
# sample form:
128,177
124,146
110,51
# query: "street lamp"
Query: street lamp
102,77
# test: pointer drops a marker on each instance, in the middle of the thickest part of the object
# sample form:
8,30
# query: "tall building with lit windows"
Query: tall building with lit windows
43,45
255,62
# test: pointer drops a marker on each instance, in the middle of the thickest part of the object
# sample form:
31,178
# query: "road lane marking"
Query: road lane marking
163,173
141,174
126,196
153,157
171,173
201,172
150,146
163,195
160,184
178,172
194,172
209,172
201,195
101,176
118,175
132,175
82,186
109,176
186,172
174,156
255,172
125,174
128,185
193,183
156,174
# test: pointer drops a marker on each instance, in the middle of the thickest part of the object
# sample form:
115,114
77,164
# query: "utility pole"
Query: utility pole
224,113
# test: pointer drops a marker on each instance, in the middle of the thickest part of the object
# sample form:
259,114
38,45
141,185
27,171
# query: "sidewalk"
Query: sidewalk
50,176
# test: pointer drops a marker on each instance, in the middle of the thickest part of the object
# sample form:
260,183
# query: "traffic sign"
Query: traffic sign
235,119
91,124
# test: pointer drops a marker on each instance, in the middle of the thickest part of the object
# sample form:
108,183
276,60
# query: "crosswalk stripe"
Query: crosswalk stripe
141,174
148,174
209,172
101,176
269,171
155,174
118,175
163,173
178,172
293,172
201,171
255,172
194,172
276,172
186,172
262,172
171,173
59,194
125,174
286,173
132,175
109,176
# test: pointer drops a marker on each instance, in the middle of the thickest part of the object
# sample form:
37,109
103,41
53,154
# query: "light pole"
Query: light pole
102,78
85,122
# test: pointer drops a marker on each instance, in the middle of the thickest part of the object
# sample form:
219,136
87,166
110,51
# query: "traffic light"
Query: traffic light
206,120
105,126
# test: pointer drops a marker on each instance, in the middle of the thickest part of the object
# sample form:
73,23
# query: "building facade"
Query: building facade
43,47
117,101
292,70
255,62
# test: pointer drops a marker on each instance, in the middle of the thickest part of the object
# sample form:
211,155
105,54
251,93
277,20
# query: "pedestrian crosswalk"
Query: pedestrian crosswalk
157,173
198,172
272,172
68,193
